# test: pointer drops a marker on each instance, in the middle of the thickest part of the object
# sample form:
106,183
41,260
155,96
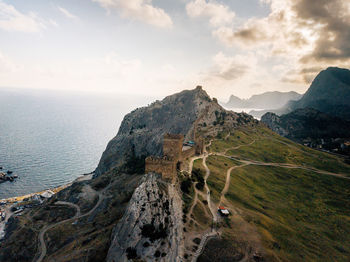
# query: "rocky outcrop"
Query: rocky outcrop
151,226
307,123
329,93
273,121
5,177
141,132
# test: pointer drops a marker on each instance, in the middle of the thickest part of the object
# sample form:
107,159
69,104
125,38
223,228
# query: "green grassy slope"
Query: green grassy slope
306,216
300,215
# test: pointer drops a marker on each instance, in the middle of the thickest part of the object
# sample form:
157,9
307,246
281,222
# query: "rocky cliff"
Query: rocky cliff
331,86
328,93
151,228
142,130
307,122
121,214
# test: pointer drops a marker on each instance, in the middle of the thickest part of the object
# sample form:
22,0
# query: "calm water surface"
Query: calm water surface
49,139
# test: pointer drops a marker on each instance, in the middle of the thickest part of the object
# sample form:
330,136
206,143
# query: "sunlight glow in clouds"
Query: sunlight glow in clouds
141,10
311,35
218,14
206,42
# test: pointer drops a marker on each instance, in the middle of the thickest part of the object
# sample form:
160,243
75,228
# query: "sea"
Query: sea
49,138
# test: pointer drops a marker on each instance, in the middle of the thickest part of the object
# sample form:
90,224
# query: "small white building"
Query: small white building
223,211
47,194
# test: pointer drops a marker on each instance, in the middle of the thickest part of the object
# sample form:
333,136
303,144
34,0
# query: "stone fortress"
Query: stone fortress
175,151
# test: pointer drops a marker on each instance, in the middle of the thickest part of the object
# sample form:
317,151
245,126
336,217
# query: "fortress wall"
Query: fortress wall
172,146
172,151
188,153
199,148
165,167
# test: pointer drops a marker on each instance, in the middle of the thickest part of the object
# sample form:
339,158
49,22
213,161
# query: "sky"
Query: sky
158,47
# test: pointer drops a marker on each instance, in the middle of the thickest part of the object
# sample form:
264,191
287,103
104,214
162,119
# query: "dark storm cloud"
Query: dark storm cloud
251,34
333,41
305,75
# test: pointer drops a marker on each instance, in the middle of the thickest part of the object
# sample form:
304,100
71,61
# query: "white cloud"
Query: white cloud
217,13
141,10
227,69
66,13
298,31
13,20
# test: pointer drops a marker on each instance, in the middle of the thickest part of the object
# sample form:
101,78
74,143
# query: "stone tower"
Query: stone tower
172,146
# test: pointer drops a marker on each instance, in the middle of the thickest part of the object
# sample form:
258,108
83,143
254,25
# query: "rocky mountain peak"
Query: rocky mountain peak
141,131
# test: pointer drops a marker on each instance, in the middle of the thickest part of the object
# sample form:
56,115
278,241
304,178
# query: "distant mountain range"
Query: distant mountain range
323,112
328,93
268,100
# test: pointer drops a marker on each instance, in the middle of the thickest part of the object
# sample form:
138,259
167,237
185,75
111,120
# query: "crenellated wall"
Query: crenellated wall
173,154
188,153
161,165
172,145
199,147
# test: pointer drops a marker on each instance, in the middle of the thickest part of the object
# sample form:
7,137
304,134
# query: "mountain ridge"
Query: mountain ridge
329,93
124,213
267,100
307,123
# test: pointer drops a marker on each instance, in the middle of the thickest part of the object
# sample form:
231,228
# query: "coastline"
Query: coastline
55,190
7,203
20,198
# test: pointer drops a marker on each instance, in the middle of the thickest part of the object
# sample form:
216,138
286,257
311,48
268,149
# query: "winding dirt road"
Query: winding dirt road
77,216
227,183
46,228
245,162
212,208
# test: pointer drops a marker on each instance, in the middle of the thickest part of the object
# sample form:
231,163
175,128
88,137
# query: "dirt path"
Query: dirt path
77,216
237,147
212,208
227,183
210,203
202,244
292,166
45,229
283,165
195,201
190,166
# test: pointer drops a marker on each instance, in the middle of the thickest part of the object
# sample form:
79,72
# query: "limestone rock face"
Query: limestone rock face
141,131
307,123
273,121
151,226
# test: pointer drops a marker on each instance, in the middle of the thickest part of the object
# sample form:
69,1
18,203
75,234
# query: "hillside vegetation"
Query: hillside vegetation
287,201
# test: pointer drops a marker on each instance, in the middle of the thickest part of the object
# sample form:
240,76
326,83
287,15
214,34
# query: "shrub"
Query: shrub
198,176
186,186
153,233
135,164
131,253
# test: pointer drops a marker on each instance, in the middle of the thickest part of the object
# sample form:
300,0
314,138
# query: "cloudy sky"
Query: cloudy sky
162,46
